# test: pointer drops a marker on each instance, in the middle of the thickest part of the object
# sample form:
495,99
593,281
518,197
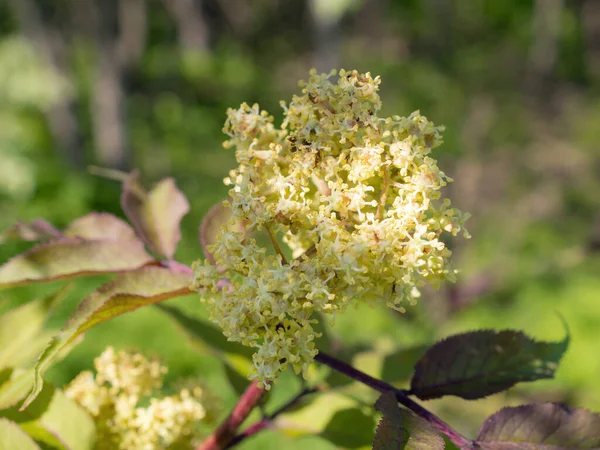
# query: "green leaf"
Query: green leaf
16,388
388,435
65,422
21,330
399,365
13,438
70,257
208,337
156,215
420,434
349,428
127,292
216,217
237,382
37,408
477,364
337,379
543,426
38,230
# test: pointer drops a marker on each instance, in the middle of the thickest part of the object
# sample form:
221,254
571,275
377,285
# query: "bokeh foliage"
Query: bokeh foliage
515,83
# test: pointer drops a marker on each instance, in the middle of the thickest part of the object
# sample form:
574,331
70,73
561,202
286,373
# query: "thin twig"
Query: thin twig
385,184
267,421
379,385
276,244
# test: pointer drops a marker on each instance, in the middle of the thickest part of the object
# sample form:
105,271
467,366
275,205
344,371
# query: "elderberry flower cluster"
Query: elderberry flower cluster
113,397
355,196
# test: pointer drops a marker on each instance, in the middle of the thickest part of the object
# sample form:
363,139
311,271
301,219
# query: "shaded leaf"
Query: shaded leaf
21,330
156,215
337,379
127,292
43,437
209,337
476,364
216,217
100,226
543,426
349,428
38,230
388,435
16,388
420,435
12,437
399,365
64,422
237,382
37,408
72,256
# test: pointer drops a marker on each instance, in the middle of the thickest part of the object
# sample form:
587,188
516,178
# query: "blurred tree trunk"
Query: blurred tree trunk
117,30
51,43
327,35
544,47
191,25
590,17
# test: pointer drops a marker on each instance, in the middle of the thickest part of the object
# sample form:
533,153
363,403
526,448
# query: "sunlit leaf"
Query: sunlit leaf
127,292
100,226
72,256
349,428
15,388
12,437
543,426
388,435
37,230
420,435
477,364
156,215
38,406
216,217
21,330
63,421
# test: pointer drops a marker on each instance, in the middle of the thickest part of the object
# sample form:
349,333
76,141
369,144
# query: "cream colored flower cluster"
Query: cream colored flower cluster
113,396
355,196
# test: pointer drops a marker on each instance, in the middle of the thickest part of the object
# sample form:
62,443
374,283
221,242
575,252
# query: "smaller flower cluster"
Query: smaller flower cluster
113,396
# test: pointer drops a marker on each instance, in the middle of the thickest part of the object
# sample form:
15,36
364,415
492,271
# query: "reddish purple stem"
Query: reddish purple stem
381,386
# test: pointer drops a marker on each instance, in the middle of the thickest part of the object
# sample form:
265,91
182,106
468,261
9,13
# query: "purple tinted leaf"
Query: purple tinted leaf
72,256
216,217
38,230
156,215
100,226
420,435
544,426
388,435
477,364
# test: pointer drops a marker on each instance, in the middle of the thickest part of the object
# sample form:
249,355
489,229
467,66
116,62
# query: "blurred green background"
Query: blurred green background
145,84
